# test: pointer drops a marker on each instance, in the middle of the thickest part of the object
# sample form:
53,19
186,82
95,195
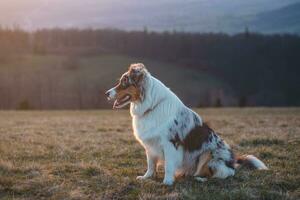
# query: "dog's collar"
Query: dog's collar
151,109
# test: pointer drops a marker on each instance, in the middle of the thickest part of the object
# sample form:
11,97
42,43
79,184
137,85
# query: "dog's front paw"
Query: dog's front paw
200,179
168,182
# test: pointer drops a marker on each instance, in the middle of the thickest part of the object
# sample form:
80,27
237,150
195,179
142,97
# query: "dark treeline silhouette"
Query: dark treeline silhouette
254,65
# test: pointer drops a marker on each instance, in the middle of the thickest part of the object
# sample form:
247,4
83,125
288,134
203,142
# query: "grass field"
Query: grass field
93,155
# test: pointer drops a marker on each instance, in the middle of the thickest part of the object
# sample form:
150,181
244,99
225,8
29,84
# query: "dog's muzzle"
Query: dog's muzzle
110,94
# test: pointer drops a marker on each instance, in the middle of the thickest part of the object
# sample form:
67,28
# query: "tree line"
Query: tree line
260,67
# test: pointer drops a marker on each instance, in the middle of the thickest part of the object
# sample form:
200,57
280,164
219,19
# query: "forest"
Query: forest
253,69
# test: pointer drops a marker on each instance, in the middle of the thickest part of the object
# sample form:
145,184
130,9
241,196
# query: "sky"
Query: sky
132,14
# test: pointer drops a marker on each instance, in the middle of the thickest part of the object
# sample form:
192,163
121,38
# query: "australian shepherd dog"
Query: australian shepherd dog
173,134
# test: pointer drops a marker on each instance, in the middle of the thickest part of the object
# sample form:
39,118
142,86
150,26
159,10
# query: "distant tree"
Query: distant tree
218,102
24,105
247,32
243,101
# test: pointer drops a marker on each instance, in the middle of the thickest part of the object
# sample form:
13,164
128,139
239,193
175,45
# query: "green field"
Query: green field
93,155
76,82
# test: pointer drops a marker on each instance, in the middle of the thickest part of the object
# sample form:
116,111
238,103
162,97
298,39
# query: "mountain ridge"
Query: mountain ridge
230,16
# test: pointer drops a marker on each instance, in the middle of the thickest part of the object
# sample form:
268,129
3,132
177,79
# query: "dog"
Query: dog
173,134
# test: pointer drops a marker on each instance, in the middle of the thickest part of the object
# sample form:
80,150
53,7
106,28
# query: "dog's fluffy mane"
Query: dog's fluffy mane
154,91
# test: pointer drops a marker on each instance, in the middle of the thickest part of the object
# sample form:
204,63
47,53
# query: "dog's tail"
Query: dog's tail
250,162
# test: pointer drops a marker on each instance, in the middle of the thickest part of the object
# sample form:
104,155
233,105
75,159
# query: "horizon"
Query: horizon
204,16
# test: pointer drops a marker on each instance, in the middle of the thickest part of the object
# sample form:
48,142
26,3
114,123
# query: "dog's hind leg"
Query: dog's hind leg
203,171
220,169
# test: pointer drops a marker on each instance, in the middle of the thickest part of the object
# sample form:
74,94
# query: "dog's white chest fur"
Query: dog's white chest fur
150,130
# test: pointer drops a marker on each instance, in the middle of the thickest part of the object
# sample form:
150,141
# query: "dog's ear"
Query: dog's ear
137,68
137,72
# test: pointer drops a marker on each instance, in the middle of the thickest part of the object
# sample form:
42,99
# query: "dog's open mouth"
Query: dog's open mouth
120,103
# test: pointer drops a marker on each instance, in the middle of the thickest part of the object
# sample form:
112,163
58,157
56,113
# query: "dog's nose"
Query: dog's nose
107,93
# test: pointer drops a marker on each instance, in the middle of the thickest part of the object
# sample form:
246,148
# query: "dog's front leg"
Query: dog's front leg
151,164
172,161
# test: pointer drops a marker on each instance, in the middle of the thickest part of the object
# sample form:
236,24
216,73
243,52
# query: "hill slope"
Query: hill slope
285,19
60,82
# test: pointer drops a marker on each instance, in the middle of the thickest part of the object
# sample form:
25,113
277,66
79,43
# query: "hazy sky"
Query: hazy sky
32,14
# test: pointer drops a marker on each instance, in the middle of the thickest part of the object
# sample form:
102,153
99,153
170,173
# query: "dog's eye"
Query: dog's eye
125,81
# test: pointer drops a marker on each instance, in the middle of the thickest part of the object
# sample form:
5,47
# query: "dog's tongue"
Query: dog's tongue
119,103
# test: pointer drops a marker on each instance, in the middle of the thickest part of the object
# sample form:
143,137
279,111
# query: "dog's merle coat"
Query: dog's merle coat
195,138
173,134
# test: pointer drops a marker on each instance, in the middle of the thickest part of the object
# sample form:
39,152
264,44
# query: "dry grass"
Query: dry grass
93,155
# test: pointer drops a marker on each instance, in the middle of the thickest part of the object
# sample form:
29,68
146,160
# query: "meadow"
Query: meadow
94,155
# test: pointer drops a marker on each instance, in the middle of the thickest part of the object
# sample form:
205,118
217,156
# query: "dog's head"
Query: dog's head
129,87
